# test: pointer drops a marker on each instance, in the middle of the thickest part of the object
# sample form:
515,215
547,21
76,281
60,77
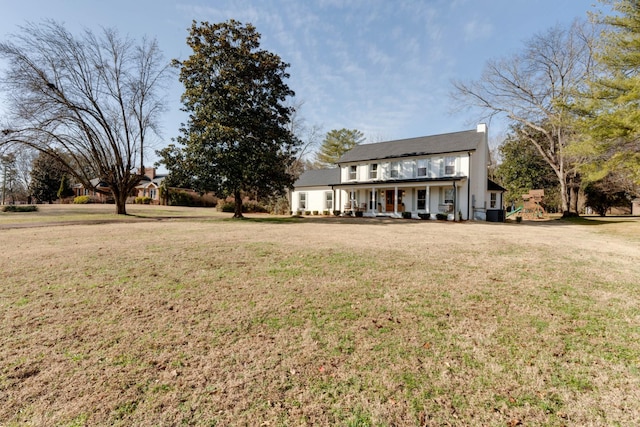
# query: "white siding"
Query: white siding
316,199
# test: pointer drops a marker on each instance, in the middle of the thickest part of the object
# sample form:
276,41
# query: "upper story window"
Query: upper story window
373,171
395,170
353,173
302,201
423,167
449,165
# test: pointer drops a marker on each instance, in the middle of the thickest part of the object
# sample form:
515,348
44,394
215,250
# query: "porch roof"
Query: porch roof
494,186
394,182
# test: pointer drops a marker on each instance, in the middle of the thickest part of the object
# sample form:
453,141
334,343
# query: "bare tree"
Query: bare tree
89,101
535,89
24,163
309,136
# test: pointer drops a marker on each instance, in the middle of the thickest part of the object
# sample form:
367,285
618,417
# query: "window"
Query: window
328,200
373,171
450,166
353,173
423,167
302,201
494,200
422,199
439,166
395,167
373,199
448,195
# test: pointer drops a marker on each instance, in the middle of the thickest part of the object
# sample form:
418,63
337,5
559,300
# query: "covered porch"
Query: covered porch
402,199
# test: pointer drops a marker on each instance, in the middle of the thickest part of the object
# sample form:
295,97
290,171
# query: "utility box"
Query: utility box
495,215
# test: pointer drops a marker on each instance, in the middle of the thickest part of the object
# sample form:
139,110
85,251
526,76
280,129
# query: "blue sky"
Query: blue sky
383,67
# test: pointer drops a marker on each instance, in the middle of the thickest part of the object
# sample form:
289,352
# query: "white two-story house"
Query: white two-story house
444,174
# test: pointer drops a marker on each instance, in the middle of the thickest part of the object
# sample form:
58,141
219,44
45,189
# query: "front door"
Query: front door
390,201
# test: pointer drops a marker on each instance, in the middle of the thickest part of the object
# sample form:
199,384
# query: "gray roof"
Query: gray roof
434,144
318,177
494,186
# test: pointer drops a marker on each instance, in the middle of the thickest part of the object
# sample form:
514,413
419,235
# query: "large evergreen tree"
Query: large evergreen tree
46,175
237,140
336,143
613,117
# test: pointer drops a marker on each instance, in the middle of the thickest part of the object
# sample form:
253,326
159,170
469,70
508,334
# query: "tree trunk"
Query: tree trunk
238,208
121,202
574,199
564,198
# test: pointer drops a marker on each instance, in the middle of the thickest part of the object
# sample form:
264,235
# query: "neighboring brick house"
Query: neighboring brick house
149,187
444,173
80,190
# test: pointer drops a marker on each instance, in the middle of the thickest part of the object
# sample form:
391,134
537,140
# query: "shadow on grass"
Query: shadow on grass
582,220
268,220
594,220
328,220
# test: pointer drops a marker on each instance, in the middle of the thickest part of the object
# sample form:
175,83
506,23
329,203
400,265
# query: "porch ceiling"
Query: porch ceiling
413,182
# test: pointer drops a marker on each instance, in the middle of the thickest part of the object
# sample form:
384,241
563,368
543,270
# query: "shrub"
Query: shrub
336,213
277,205
183,198
180,198
307,213
20,208
315,212
441,217
406,215
424,215
325,213
227,207
144,200
248,206
82,200
251,206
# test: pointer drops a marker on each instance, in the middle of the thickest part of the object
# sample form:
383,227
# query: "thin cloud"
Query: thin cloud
477,30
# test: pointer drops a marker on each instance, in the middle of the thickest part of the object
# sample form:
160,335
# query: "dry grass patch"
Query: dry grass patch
319,323
58,214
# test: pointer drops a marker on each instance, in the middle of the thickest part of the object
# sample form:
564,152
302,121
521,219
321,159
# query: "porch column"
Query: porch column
333,200
455,202
395,201
427,199
373,199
